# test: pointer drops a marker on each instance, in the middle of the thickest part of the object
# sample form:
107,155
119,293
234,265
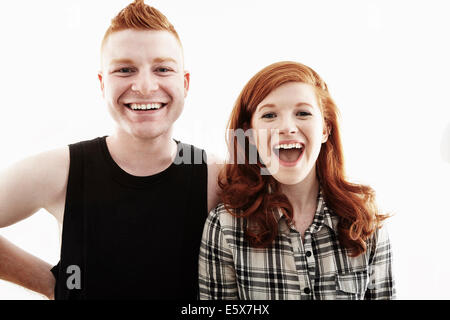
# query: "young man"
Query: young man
132,204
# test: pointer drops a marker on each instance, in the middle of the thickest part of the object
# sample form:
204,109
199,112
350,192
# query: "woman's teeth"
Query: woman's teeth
149,106
288,146
288,152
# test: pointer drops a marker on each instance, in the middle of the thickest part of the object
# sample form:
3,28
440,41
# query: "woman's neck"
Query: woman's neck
304,193
303,198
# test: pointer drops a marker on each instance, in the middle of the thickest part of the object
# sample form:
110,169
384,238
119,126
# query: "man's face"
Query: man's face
143,81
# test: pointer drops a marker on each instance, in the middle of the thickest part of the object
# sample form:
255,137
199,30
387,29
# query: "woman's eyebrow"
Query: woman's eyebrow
300,104
272,105
267,105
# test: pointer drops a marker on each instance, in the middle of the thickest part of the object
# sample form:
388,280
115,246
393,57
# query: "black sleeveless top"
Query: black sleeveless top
128,237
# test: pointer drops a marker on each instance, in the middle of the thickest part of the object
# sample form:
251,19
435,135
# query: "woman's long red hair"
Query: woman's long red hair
245,191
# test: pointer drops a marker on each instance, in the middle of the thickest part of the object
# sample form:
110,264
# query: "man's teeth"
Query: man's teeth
149,106
288,146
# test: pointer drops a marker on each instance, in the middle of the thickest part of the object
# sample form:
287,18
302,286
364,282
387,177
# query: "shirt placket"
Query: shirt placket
310,261
304,263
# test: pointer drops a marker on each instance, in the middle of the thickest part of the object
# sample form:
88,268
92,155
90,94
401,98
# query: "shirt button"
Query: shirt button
307,290
308,253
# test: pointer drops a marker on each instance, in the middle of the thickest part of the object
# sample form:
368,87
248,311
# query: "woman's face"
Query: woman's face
289,131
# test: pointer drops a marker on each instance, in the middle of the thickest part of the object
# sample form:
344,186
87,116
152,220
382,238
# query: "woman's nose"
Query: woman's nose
288,126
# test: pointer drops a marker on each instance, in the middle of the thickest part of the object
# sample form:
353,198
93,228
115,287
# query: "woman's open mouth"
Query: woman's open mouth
289,153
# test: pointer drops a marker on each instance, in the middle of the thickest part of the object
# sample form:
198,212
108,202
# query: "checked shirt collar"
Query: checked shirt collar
323,217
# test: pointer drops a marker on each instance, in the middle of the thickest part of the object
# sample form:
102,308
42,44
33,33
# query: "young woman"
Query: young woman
290,225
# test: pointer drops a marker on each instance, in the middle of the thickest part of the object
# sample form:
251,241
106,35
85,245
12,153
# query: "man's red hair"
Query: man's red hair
245,192
139,16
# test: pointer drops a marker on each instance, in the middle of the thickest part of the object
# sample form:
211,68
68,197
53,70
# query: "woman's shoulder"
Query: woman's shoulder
227,218
379,241
381,234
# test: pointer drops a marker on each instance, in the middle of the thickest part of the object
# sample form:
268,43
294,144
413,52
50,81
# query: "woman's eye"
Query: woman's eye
269,116
303,113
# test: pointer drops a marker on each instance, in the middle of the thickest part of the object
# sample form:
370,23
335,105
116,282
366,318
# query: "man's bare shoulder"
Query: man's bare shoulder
47,168
38,181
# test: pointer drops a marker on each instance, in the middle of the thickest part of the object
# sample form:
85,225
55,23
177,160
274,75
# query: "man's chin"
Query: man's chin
151,134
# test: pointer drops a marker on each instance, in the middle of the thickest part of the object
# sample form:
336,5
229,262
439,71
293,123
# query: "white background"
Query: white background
386,64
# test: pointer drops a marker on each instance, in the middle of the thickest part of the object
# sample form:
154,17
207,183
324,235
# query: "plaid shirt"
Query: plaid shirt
316,268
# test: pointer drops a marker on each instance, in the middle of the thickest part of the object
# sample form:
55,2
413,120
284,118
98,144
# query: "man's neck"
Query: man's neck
142,157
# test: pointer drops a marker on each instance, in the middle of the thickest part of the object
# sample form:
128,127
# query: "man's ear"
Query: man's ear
102,85
187,78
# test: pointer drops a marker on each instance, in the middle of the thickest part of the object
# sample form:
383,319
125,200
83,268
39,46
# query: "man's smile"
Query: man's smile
145,107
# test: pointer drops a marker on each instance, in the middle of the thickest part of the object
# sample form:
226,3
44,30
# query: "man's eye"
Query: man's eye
162,69
125,70
269,116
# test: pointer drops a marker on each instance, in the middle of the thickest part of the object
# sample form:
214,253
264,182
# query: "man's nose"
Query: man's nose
145,83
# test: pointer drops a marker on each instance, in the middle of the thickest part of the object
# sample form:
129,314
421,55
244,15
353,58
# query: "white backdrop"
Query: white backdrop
385,62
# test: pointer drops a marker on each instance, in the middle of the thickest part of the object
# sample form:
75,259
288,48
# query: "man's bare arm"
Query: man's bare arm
26,270
27,186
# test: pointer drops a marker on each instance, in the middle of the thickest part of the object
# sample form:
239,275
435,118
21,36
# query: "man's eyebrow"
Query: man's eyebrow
121,61
164,59
156,60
